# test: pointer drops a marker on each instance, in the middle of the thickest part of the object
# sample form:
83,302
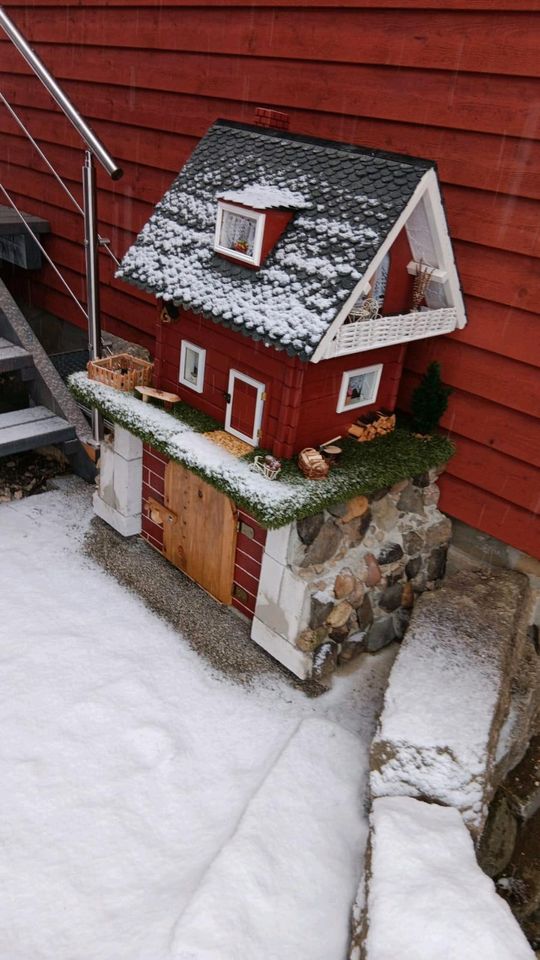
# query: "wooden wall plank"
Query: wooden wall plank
510,479
494,425
516,172
487,5
489,375
499,329
482,102
484,511
451,40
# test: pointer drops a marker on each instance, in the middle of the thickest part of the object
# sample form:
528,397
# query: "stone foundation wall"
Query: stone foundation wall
344,581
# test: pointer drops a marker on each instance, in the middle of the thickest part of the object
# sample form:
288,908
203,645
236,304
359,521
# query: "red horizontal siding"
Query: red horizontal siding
453,82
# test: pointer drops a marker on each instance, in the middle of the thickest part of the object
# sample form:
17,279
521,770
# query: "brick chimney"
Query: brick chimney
271,118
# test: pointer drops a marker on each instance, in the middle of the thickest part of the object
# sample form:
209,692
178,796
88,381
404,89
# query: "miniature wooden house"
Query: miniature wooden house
286,268
291,273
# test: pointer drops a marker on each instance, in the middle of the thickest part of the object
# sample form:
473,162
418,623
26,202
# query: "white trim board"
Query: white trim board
427,189
259,405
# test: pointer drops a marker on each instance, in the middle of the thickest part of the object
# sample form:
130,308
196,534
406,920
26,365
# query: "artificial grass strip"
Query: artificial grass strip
363,468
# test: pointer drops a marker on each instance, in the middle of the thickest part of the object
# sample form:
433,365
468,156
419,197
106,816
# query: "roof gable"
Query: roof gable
346,202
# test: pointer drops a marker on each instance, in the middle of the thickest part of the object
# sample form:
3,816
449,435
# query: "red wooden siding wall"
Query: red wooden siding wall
456,82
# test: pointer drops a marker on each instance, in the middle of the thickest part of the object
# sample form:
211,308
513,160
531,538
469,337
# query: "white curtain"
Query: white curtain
236,228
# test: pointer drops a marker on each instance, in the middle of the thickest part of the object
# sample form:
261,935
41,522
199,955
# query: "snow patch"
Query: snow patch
427,896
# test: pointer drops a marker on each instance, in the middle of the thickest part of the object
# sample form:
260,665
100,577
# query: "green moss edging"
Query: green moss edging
363,469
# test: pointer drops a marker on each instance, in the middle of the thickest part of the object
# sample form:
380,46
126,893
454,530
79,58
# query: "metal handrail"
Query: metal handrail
42,248
85,131
20,123
94,149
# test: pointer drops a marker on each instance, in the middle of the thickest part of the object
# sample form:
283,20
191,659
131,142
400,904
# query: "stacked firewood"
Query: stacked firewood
372,426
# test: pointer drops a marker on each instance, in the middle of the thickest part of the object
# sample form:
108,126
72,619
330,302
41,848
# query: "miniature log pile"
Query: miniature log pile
372,426
312,464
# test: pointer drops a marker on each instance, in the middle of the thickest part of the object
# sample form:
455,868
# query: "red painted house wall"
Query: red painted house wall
226,349
319,420
456,82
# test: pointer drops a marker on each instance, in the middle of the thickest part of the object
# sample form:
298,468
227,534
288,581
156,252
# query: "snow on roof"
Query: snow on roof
349,199
264,196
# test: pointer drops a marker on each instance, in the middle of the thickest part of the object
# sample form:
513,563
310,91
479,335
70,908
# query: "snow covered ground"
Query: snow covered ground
150,809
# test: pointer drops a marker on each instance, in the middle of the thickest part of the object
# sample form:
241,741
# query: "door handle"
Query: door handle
227,397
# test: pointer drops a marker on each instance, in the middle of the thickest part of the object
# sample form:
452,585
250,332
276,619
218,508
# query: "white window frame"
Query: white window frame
260,219
199,386
342,406
259,405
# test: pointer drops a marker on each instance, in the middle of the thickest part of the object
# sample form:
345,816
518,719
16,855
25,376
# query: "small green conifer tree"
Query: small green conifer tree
429,400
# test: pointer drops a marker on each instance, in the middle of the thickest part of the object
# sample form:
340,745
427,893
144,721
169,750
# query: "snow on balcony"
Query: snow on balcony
358,335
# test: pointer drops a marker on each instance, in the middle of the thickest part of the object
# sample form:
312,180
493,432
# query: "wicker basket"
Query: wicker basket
312,464
122,371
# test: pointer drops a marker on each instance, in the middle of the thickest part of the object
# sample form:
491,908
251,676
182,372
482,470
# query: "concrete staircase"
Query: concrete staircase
48,414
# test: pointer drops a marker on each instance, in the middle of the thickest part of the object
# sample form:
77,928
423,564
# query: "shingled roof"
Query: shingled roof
347,199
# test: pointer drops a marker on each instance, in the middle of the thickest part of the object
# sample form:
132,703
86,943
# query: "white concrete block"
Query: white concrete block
126,445
127,485
294,602
270,580
127,526
106,473
277,544
295,660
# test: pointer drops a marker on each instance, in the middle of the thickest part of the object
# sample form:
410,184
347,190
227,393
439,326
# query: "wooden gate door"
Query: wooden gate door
201,541
245,407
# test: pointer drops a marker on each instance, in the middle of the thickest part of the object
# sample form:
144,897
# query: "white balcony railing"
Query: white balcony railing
383,331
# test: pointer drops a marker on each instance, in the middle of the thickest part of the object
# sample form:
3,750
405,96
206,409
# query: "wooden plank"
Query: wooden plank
29,434
16,418
501,329
439,40
493,219
491,424
13,357
492,376
517,171
497,275
510,479
490,514
489,5
11,224
202,542
462,101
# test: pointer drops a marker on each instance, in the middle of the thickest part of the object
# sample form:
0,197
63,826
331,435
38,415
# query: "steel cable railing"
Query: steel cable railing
20,123
94,148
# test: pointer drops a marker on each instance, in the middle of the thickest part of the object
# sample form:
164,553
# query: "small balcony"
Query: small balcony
357,335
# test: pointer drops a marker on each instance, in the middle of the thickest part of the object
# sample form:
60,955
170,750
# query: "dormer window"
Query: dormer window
239,233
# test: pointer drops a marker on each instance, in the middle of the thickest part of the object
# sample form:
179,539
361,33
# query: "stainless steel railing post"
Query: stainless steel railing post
94,149
91,256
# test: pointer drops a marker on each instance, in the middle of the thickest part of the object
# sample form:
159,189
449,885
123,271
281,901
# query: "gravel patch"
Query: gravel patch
213,630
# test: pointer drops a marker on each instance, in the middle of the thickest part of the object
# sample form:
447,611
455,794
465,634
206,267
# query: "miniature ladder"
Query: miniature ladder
30,427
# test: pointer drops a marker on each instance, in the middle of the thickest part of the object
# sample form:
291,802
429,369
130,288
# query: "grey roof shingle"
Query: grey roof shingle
353,198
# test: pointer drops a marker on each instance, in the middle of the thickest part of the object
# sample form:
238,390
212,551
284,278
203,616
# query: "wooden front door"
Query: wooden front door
200,539
244,407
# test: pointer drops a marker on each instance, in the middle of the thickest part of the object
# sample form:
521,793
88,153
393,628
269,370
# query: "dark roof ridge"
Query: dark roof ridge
337,145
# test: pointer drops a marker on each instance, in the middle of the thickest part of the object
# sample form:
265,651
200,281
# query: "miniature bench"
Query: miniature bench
168,399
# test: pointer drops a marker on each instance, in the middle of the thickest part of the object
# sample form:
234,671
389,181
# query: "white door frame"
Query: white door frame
259,404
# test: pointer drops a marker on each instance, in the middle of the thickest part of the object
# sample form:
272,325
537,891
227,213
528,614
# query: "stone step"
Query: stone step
33,427
13,357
